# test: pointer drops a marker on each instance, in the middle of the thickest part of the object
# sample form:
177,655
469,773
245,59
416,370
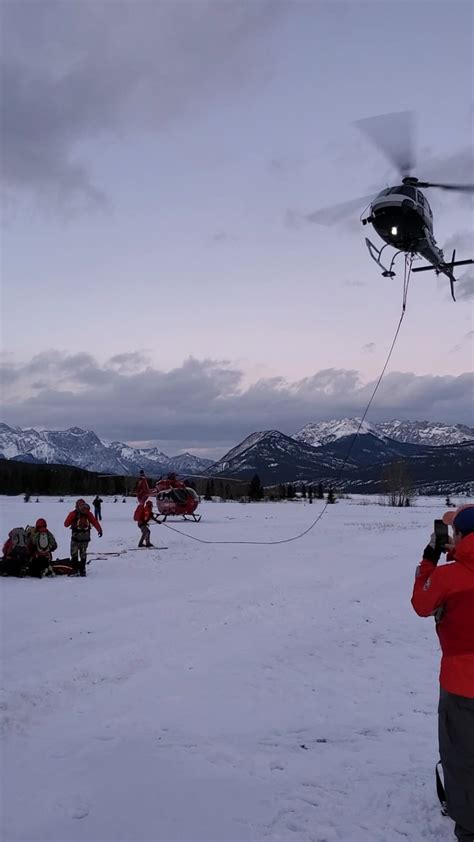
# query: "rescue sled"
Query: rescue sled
174,499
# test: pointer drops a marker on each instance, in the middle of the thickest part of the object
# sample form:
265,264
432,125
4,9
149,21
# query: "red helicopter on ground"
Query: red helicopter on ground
401,215
174,498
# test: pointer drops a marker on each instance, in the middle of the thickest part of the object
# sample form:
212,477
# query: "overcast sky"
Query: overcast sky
162,280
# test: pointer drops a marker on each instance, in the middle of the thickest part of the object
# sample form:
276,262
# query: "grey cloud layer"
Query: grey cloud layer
73,71
202,404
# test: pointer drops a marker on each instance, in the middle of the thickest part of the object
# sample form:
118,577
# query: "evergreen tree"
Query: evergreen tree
320,494
207,493
310,494
290,491
255,488
303,491
331,498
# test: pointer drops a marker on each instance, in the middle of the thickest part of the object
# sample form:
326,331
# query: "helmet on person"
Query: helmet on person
41,524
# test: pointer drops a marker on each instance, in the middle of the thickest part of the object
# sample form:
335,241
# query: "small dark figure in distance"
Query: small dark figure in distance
447,593
80,521
97,503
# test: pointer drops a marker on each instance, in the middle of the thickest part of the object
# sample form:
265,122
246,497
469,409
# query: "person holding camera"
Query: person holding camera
447,593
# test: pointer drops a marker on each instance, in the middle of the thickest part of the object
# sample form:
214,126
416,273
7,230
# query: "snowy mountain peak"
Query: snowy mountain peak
84,449
326,432
431,433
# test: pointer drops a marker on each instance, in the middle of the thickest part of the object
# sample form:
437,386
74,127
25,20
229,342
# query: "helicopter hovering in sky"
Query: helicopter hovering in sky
401,215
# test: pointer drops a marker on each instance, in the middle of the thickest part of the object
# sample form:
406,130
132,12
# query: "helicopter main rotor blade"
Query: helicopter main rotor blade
335,213
459,188
394,135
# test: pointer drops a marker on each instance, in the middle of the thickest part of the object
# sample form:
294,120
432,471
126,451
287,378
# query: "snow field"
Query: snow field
223,693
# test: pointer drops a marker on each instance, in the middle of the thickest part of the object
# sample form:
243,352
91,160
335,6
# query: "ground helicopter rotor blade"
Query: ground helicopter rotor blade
335,213
394,135
459,188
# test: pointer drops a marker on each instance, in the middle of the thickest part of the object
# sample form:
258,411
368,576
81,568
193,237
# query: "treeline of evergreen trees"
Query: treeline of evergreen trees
256,491
24,478
33,480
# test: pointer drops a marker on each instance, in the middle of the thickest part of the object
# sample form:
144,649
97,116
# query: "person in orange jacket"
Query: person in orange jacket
80,521
447,593
143,490
143,514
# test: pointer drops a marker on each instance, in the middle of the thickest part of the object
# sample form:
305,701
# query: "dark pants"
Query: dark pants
456,748
98,514
79,554
145,539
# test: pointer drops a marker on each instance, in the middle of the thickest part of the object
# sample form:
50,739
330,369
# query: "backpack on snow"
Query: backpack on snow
18,538
15,562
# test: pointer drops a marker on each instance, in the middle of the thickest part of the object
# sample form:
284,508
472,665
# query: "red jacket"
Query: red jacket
142,490
71,519
450,588
143,514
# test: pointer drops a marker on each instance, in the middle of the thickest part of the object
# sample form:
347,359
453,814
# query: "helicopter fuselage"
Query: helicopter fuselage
402,217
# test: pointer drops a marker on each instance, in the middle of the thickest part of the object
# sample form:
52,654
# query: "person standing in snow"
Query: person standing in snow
143,489
97,503
80,521
447,592
143,515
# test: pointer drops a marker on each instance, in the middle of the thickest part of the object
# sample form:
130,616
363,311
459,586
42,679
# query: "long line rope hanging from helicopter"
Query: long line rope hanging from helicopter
406,281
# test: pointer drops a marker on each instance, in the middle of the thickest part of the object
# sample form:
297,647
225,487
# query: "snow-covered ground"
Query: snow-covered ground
218,692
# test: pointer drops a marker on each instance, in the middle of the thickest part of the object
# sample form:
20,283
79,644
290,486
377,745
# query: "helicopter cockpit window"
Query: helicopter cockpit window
421,198
407,191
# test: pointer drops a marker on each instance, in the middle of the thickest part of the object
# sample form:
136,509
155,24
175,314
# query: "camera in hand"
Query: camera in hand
442,534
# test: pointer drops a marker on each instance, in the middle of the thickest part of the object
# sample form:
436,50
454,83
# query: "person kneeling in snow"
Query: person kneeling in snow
80,521
41,545
447,592
142,515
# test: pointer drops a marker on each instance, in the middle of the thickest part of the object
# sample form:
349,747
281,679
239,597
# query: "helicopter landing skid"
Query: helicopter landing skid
376,255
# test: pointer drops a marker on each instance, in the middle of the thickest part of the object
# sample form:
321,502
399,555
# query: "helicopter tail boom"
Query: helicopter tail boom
445,269
442,267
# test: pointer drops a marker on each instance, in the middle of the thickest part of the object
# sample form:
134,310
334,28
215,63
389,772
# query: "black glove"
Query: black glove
432,551
100,534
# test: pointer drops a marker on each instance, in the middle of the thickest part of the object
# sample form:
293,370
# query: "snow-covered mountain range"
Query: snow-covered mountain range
358,464
84,449
430,433
439,455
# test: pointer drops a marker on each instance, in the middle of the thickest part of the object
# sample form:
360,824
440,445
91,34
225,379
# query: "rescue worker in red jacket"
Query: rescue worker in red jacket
447,592
143,490
80,521
143,514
